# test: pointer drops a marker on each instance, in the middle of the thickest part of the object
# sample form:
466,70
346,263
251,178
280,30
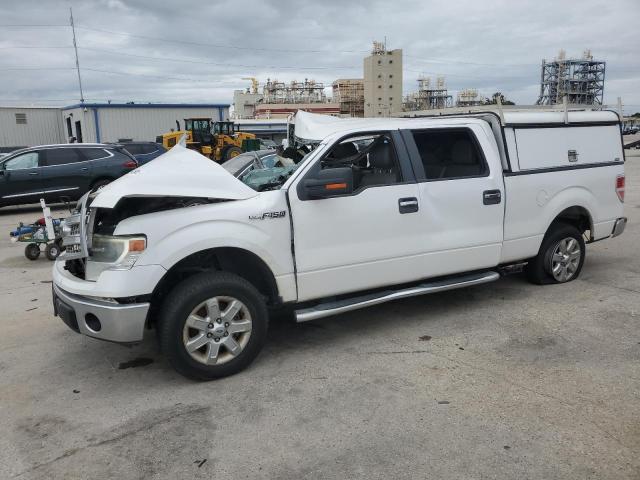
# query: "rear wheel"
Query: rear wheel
560,257
32,251
213,325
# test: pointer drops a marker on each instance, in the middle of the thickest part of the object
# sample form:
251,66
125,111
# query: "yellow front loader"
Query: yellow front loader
219,141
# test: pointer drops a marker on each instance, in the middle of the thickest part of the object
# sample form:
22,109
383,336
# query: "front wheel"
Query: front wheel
52,251
212,325
560,257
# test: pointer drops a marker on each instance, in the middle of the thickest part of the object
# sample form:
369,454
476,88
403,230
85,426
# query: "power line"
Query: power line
35,25
3,69
462,62
213,45
34,46
202,62
165,77
36,99
112,72
286,50
423,72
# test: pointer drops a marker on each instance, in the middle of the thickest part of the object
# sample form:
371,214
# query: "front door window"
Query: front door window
372,158
21,162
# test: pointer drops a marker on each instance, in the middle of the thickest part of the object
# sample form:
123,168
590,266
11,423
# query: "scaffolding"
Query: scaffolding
428,97
580,81
349,94
308,91
468,97
379,48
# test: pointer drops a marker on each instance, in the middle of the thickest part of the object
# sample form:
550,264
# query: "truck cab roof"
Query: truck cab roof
315,127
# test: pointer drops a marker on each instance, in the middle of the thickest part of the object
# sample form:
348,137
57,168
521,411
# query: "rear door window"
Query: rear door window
21,162
148,148
134,149
62,156
449,154
94,153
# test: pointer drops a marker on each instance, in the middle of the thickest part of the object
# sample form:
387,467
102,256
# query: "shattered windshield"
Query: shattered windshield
268,178
275,172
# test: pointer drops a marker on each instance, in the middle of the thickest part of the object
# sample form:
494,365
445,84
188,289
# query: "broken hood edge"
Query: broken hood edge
180,172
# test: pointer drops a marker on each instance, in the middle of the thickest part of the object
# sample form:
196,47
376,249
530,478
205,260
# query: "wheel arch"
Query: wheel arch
239,261
576,215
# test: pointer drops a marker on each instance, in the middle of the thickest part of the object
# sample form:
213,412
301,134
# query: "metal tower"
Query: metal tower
580,81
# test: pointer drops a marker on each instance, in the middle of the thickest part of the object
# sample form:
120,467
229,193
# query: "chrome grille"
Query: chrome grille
74,233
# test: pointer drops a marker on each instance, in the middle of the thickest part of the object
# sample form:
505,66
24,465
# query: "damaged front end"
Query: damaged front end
88,239
180,178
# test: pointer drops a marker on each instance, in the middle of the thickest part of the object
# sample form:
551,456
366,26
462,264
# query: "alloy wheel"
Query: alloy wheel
217,330
565,259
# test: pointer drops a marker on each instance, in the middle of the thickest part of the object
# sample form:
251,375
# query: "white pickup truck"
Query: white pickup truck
380,209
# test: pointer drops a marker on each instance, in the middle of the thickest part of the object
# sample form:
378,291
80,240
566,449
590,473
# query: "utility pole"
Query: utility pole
75,47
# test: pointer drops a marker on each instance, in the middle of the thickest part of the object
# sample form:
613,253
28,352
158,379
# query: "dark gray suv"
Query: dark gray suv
59,172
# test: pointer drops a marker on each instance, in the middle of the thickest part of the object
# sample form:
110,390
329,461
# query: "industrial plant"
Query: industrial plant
278,99
379,93
579,81
428,96
349,94
263,108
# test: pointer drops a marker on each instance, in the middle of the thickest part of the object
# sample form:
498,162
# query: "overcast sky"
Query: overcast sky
144,50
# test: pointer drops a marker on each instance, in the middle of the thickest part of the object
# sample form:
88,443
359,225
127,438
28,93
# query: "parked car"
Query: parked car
144,152
58,172
381,209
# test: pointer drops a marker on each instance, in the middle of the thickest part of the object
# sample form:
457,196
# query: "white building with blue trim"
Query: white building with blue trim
98,122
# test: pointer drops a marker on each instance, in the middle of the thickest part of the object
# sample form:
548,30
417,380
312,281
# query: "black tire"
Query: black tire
32,251
181,302
231,152
539,268
100,183
52,251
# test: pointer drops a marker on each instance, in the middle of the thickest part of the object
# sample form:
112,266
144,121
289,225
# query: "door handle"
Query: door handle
33,173
491,197
408,205
84,169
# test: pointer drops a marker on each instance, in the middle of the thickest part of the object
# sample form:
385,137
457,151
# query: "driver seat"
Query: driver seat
382,167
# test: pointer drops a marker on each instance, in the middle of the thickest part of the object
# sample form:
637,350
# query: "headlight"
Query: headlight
120,251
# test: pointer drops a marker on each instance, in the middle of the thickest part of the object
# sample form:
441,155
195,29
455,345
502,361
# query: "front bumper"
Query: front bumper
122,323
619,226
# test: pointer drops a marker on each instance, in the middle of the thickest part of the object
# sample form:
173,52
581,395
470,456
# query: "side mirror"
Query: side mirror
331,182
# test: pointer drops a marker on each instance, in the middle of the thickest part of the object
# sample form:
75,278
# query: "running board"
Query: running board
346,305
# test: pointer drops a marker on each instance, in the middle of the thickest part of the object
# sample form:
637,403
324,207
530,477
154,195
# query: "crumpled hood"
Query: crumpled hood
178,173
315,127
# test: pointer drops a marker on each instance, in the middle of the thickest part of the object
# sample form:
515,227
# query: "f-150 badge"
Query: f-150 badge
280,214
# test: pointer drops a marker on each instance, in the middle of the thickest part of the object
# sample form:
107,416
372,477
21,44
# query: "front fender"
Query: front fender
206,235
175,234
